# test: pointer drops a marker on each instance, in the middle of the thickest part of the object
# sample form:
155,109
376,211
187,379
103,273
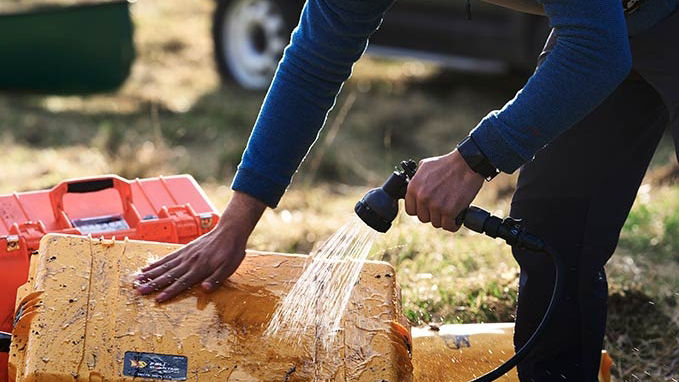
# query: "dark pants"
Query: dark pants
576,195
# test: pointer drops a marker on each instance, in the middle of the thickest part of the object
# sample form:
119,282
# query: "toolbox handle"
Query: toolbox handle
89,186
81,186
5,341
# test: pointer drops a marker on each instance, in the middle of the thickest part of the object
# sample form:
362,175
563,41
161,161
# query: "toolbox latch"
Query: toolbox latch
12,243
206,220
31,232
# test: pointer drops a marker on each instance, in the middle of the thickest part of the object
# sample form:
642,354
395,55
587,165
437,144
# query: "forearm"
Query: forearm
331,36
242,214
589,61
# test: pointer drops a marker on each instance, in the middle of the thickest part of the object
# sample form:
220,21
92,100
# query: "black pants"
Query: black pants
576,195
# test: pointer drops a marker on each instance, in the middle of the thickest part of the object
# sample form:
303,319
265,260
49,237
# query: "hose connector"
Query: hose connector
509,229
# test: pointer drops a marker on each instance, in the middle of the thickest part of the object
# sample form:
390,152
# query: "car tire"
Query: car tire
249,38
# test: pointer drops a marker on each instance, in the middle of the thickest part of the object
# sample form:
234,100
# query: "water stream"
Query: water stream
318,299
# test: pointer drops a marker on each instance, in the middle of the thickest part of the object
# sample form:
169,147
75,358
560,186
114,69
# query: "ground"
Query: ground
174,116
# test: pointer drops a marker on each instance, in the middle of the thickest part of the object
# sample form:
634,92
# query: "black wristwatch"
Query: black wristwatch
477,161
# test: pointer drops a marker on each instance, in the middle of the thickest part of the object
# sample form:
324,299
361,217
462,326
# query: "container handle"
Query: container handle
86,185
89,186
5,341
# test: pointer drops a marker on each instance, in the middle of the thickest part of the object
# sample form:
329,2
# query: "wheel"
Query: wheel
250,36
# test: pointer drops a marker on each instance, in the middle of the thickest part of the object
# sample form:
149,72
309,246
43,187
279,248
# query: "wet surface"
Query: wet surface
87,317
461,352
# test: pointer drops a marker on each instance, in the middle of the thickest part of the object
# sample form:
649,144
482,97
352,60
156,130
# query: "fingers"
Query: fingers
183,283
163,280
422,211
448,223
159,270
213,281
162,261
411,204
435,217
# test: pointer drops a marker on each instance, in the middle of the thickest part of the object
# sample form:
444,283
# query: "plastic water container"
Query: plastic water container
79,319
459,353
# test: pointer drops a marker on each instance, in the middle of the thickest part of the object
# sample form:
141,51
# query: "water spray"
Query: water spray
379,207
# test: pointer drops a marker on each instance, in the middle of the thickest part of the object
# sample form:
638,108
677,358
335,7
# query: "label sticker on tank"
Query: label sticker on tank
155,366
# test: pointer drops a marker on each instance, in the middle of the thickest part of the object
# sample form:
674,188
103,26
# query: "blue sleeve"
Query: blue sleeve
591,58
331,36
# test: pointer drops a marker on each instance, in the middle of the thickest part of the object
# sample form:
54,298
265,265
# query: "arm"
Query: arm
331,36
208,260
591,58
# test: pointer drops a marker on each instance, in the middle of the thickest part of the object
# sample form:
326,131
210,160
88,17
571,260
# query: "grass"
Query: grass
173,116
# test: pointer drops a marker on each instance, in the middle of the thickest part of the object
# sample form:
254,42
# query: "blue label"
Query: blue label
155,366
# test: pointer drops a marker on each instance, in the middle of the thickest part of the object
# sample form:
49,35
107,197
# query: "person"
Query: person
582,130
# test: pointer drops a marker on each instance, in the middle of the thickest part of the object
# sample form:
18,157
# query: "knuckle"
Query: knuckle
179,285
453,228
449,217
410,209
448,210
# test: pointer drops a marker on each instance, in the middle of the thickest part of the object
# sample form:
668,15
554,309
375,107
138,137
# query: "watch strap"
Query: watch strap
476,160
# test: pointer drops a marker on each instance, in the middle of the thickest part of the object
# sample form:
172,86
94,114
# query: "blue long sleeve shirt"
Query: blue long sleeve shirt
591,58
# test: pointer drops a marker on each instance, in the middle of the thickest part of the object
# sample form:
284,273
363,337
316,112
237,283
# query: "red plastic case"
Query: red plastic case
170,209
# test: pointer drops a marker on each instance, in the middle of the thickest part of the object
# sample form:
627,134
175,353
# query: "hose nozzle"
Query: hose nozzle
379,207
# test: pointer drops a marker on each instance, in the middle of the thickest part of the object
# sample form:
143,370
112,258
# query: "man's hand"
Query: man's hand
442,187
208,260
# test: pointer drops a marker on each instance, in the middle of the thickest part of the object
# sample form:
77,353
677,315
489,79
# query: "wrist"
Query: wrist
461,166
476,159
242,214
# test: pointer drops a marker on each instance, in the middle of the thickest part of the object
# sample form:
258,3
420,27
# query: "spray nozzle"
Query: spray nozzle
379,207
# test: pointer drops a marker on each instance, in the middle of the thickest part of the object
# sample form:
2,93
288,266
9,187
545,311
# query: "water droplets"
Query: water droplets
320,295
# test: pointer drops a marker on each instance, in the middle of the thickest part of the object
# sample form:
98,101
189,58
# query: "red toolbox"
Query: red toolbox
170,209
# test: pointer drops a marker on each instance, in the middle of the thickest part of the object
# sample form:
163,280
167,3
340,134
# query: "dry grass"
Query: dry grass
173,116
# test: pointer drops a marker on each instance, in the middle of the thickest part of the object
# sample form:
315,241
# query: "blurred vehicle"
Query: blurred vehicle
49,47
250,36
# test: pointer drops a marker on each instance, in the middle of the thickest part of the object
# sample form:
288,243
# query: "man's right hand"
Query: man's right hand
208,260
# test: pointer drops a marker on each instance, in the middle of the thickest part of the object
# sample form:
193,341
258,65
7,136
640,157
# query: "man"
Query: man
584,128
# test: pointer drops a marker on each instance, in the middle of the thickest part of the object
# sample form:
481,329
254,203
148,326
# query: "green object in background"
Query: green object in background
67,50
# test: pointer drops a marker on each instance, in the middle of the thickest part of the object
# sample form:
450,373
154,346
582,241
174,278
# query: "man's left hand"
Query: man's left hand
442,187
